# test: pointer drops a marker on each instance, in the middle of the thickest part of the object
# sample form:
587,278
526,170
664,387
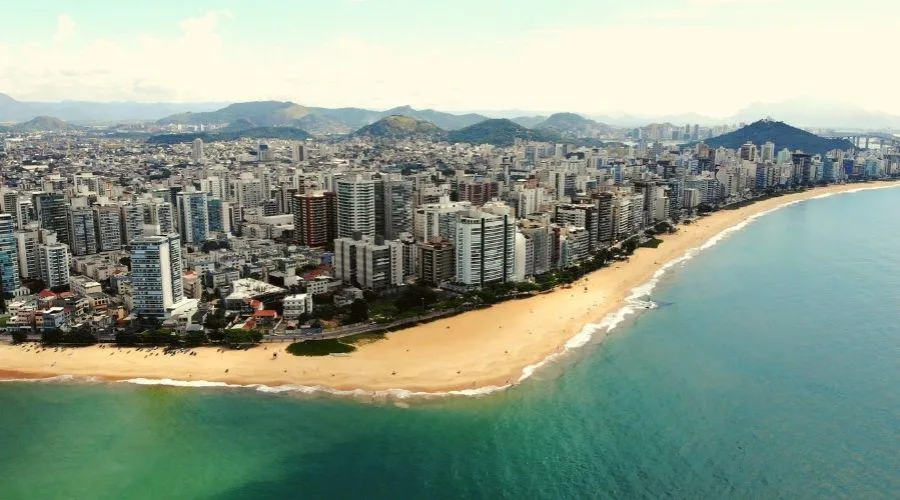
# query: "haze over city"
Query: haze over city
645,57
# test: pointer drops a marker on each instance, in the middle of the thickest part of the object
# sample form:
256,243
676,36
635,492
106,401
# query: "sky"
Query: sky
657,57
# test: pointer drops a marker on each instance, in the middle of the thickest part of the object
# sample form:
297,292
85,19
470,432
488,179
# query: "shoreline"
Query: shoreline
477,352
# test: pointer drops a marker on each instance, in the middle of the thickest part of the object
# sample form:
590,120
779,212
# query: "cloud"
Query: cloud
65,28
667,68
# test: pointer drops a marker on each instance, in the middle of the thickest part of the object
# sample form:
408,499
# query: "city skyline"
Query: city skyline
648,57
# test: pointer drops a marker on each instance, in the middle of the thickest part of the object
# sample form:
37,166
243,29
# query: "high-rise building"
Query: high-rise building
51,210
393,206
356,207
477,192
438,220
162,214
371,263
54,259
485,248
436,262
217,210
585,216
83,235
197,150
315,219
194,216
156,275
9,256
768,153
132,221
108,221
298,152
27,242
748,151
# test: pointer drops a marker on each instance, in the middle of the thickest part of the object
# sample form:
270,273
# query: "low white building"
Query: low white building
297,305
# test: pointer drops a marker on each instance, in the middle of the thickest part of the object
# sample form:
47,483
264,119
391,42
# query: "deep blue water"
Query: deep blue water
773,372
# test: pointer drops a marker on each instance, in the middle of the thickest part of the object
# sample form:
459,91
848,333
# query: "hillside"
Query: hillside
446,121
262,113
530,121
286,133
780,133
320,124
499,132
573,126
42,124
400,127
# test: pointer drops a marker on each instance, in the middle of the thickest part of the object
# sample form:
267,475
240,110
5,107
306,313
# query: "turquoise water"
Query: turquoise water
772,370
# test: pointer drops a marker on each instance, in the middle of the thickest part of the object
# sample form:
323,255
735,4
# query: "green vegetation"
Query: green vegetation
320,348
260,113
782,134
3,321
81,336
18,336
499,132
573,126
652,243
363,338
236,337
400,127
286,133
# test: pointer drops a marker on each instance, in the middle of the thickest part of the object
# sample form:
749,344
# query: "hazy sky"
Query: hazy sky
639,56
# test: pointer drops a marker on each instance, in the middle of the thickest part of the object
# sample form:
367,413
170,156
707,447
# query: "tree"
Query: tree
18,336
629,246
195,338
359,311
237,337
128,339
216,335
51,337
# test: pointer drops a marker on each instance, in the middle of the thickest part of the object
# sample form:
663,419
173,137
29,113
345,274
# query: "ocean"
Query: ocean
769,368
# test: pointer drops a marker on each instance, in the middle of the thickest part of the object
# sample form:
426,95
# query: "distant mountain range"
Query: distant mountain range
782,135
336,121
12,110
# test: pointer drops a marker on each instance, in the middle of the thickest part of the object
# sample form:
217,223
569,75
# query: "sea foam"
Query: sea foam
635,302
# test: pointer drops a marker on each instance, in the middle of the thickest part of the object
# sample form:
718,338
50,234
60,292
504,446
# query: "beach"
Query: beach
487,348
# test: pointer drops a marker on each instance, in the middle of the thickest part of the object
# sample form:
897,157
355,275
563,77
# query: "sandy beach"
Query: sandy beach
488,347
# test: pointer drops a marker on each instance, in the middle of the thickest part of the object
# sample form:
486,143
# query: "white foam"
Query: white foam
636,301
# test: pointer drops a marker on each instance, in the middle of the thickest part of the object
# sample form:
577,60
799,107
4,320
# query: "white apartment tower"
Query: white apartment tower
356,207
197,151
485,248
54,259
156,275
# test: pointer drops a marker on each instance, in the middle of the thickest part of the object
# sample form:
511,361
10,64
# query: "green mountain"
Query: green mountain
400,127
780,133
573,126
43,124
499,132
262,113
286,133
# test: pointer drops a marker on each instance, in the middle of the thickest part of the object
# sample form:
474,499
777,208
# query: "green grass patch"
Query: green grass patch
320,348
363,338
